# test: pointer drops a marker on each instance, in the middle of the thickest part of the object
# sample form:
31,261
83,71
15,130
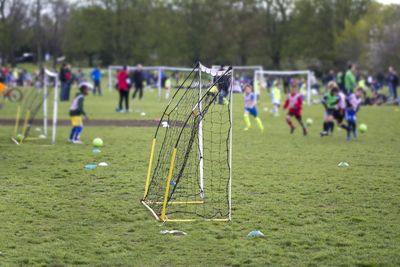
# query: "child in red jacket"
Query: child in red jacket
294,104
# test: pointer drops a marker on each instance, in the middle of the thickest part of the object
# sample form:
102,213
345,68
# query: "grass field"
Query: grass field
55,212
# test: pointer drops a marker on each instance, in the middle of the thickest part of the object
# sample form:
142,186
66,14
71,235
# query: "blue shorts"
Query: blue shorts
252,111
350,115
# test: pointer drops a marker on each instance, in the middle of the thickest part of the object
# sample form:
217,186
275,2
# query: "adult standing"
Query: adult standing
123,89
64,94
350,79
137,78
96,78
393,82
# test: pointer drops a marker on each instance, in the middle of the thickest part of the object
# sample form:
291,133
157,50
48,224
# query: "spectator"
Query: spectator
96,78
393,82
65,79
123,89
340,80
79,77
350,79
137,78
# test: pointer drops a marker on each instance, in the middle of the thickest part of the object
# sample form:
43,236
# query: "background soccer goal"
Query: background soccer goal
262,77
28,112
189,172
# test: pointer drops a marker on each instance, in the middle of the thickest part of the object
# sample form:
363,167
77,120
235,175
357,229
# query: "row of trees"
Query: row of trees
319,34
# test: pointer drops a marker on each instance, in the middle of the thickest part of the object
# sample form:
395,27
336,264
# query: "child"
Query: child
340,108
250,101
353,102
168,85
330,101
294,104
276,98
76,112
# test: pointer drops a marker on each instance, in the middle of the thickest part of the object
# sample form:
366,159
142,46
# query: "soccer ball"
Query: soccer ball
309,122
20,137
363,128
213,90
97,142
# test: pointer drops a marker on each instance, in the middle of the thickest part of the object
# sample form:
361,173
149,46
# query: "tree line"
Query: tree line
278,34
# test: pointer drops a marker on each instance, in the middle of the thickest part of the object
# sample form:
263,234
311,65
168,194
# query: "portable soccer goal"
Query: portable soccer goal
261,75
28,112
189,173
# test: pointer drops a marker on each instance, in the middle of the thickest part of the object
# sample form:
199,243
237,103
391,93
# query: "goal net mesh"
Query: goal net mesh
197,124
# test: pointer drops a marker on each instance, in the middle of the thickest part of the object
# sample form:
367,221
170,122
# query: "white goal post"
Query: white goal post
53,75
260,73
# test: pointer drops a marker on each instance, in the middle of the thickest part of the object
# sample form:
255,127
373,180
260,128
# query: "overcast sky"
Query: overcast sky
389,1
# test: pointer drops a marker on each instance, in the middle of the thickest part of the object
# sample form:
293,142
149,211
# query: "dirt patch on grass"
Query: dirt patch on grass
116,123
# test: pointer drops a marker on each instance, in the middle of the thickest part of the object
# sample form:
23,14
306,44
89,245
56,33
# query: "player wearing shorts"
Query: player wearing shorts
330,101
250,101
76,112
353,103
294,105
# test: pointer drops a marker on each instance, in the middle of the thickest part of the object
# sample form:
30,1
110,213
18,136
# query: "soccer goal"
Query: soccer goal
36,100
190,168
261,77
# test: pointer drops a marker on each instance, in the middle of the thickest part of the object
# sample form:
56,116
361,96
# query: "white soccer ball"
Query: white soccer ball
309,121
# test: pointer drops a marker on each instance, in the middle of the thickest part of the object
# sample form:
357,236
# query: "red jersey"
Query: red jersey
122,76
294,103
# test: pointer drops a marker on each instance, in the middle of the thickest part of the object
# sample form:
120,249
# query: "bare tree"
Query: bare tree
13,18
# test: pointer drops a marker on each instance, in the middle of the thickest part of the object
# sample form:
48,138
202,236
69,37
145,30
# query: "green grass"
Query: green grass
55,212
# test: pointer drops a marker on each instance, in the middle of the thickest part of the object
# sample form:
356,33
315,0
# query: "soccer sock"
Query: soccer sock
259,123
325,127
289,122
301,123
78,132
331,126
247,122
354,129
349,129
72,134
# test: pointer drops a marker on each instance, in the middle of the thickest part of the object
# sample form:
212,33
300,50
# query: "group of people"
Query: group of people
125,81
293,104
15,77
346,93
68,78
340,106
372,85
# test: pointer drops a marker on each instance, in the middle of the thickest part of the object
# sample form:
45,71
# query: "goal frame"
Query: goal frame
200,69
289,73
46,75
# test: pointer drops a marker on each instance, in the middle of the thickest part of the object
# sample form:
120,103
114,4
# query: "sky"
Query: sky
389,1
